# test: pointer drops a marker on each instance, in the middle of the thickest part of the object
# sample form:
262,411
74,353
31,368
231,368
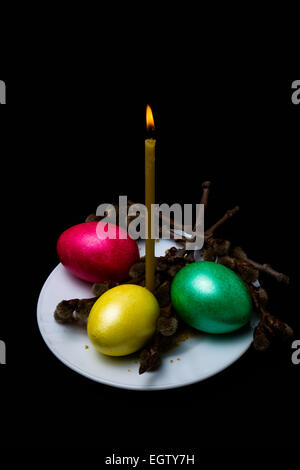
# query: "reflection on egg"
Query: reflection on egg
211,298
90,252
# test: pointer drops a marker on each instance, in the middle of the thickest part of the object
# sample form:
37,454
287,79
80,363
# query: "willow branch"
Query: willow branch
205,195
266,268
270,328
229,214
240,254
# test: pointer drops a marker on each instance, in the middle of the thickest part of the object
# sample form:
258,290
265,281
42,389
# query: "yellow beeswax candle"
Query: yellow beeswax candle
150,200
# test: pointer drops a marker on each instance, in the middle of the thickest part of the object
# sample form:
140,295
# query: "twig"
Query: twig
239,253
266,268
206,190
204,200
229,214
270,328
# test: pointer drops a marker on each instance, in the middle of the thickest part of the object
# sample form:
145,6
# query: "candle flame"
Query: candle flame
149,119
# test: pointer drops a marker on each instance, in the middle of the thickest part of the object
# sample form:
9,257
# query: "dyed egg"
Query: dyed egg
123,320
90,252
211,298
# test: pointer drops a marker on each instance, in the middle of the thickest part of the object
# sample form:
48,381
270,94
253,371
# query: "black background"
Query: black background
69,145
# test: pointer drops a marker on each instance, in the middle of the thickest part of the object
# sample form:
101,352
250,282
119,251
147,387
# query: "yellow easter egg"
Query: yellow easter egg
123,320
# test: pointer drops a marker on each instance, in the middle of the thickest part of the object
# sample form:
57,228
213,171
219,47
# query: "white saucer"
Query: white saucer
192,361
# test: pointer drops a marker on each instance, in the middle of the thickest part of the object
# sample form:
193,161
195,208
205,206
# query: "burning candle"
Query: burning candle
149,200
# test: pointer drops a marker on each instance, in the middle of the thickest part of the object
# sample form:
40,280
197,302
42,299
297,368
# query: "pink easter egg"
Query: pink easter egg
90,251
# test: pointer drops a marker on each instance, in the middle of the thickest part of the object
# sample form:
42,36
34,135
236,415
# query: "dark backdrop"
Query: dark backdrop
75,144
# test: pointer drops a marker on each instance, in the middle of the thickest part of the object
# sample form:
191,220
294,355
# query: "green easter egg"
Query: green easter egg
211,298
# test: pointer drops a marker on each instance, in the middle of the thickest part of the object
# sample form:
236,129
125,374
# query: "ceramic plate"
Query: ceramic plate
192,361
